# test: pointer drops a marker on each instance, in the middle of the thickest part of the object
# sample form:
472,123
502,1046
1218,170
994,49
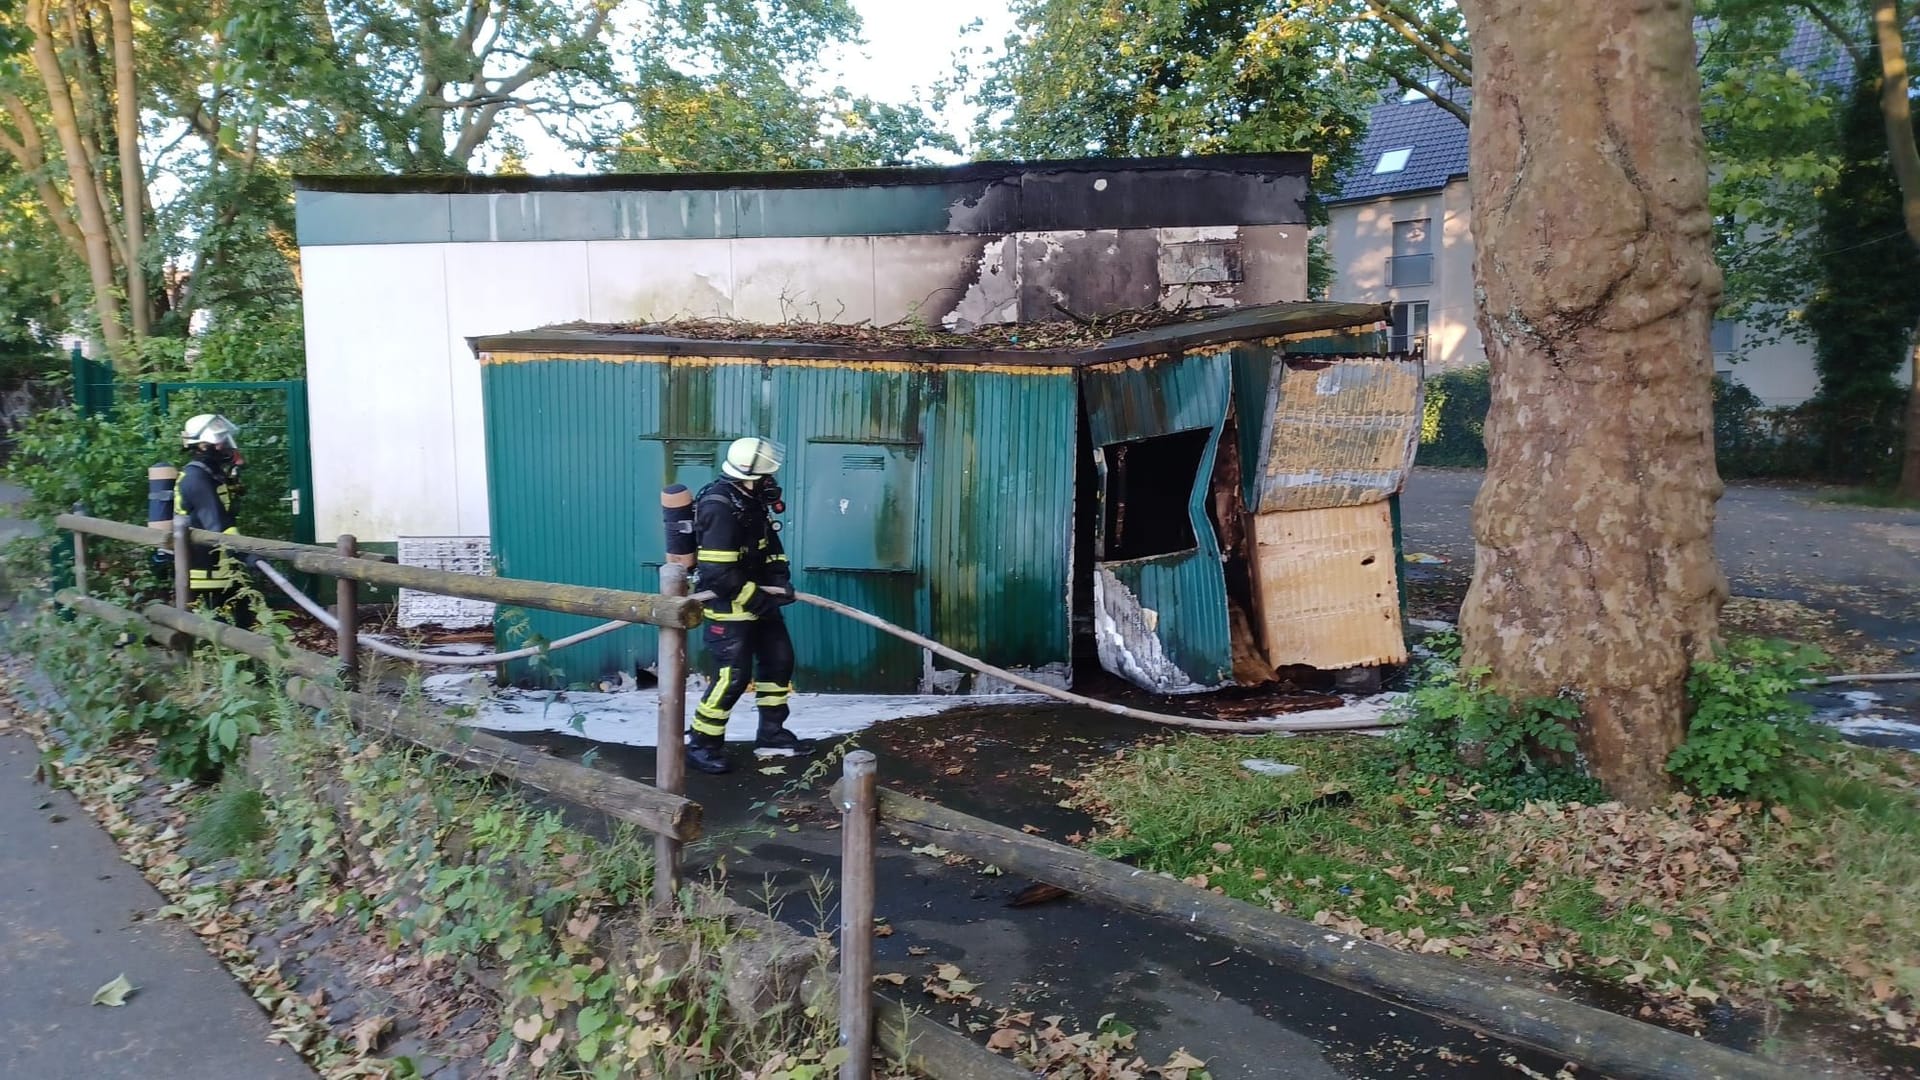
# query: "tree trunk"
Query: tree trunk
133,194
1896,109
86,201
1595,574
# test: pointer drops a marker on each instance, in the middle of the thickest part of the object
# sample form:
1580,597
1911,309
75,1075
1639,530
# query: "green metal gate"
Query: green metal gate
272,415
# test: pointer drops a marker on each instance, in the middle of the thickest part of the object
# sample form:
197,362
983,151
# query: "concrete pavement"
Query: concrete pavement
73,915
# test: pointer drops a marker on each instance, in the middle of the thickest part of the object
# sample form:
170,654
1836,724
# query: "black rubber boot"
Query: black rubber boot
774,740
708,757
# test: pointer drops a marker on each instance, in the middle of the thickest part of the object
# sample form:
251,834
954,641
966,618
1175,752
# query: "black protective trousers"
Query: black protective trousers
227,604
750,653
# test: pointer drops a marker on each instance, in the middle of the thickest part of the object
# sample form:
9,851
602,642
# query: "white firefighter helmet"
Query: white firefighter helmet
752,458
209,429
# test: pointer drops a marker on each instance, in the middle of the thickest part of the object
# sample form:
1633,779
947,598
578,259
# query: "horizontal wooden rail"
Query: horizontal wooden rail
115,615
930,1048
611,794
1448,990
245,642
634,607
161,538
616,796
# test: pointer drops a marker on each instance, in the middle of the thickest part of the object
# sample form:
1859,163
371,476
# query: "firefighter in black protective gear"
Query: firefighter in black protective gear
204,495
740,558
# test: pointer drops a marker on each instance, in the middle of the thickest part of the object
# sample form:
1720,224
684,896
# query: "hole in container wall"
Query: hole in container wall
1149,485
1368,561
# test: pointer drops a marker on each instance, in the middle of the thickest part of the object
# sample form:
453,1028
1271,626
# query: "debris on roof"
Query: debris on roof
909,333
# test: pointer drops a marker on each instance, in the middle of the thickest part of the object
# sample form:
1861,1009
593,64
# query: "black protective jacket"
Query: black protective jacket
739,553
203,496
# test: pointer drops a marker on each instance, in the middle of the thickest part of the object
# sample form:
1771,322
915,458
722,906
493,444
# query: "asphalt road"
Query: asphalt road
1776,543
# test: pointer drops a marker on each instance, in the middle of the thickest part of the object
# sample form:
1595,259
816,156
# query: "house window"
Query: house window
1723,335
1412,261
1409,327
1393,160
1148,484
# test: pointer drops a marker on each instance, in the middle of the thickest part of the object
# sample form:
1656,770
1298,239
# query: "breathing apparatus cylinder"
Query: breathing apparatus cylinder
676,511
160,482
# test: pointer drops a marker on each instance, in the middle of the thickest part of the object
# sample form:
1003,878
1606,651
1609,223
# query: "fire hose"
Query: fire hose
1302,724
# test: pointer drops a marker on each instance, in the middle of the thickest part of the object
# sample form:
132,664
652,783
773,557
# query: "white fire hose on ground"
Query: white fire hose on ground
1302,724
1305,723
328,620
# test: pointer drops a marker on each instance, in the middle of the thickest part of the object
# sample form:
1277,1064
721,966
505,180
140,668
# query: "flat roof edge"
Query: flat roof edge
1249,324
1289,162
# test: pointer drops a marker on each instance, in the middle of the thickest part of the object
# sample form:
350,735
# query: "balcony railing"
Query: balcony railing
1410,270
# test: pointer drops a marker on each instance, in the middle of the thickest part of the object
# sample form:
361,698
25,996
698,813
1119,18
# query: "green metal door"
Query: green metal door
860,508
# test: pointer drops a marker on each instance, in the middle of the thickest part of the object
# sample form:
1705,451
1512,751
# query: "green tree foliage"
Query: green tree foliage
744,92
1773,146
1866,302
1162,77
238,96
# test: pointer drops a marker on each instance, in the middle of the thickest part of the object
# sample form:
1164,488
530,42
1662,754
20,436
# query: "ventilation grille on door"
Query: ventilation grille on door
691,457
863,462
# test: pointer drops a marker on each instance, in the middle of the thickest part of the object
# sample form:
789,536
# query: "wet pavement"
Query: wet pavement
1247,1017
1776,543
1244,1015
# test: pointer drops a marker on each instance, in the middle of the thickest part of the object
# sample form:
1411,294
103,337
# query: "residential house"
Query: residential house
1400,231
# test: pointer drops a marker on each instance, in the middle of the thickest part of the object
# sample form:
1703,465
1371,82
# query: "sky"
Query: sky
909,46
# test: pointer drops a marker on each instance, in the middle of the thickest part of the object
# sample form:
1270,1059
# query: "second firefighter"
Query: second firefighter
743,564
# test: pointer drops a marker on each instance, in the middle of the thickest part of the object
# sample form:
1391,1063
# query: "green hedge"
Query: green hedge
1454,420
1857,442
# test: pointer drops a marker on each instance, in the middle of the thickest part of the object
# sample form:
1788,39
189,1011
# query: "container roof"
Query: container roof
1122,336
1288,163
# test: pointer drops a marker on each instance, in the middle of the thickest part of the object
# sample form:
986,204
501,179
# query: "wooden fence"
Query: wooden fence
1451,991
332,684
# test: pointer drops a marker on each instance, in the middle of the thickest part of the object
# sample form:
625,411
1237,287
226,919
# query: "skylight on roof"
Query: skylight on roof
1393,160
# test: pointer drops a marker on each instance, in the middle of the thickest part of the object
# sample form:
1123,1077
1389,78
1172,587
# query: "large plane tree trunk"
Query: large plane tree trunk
1595,574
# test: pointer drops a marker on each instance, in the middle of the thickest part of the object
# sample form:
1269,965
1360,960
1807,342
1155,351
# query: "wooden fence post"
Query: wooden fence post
80,554
670,752
347,610
182,565
857,821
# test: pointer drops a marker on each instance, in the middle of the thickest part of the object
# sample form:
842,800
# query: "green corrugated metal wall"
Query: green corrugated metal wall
1134,401
579,448
569,499
1001,529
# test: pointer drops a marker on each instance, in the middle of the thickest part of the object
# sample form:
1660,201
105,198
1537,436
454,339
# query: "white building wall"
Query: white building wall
399,438
1360,238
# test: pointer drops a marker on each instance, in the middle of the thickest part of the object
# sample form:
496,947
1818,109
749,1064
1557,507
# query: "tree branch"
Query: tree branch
1408,82
31,153
1897,111
133,182
93,221
1439,40
1854,49
1385,13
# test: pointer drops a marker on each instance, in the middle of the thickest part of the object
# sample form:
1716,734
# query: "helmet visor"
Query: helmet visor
749,458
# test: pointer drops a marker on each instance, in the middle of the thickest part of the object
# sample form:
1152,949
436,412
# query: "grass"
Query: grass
230,821
1700,899
1884,498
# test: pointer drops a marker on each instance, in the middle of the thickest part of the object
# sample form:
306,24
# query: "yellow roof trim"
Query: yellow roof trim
496,358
